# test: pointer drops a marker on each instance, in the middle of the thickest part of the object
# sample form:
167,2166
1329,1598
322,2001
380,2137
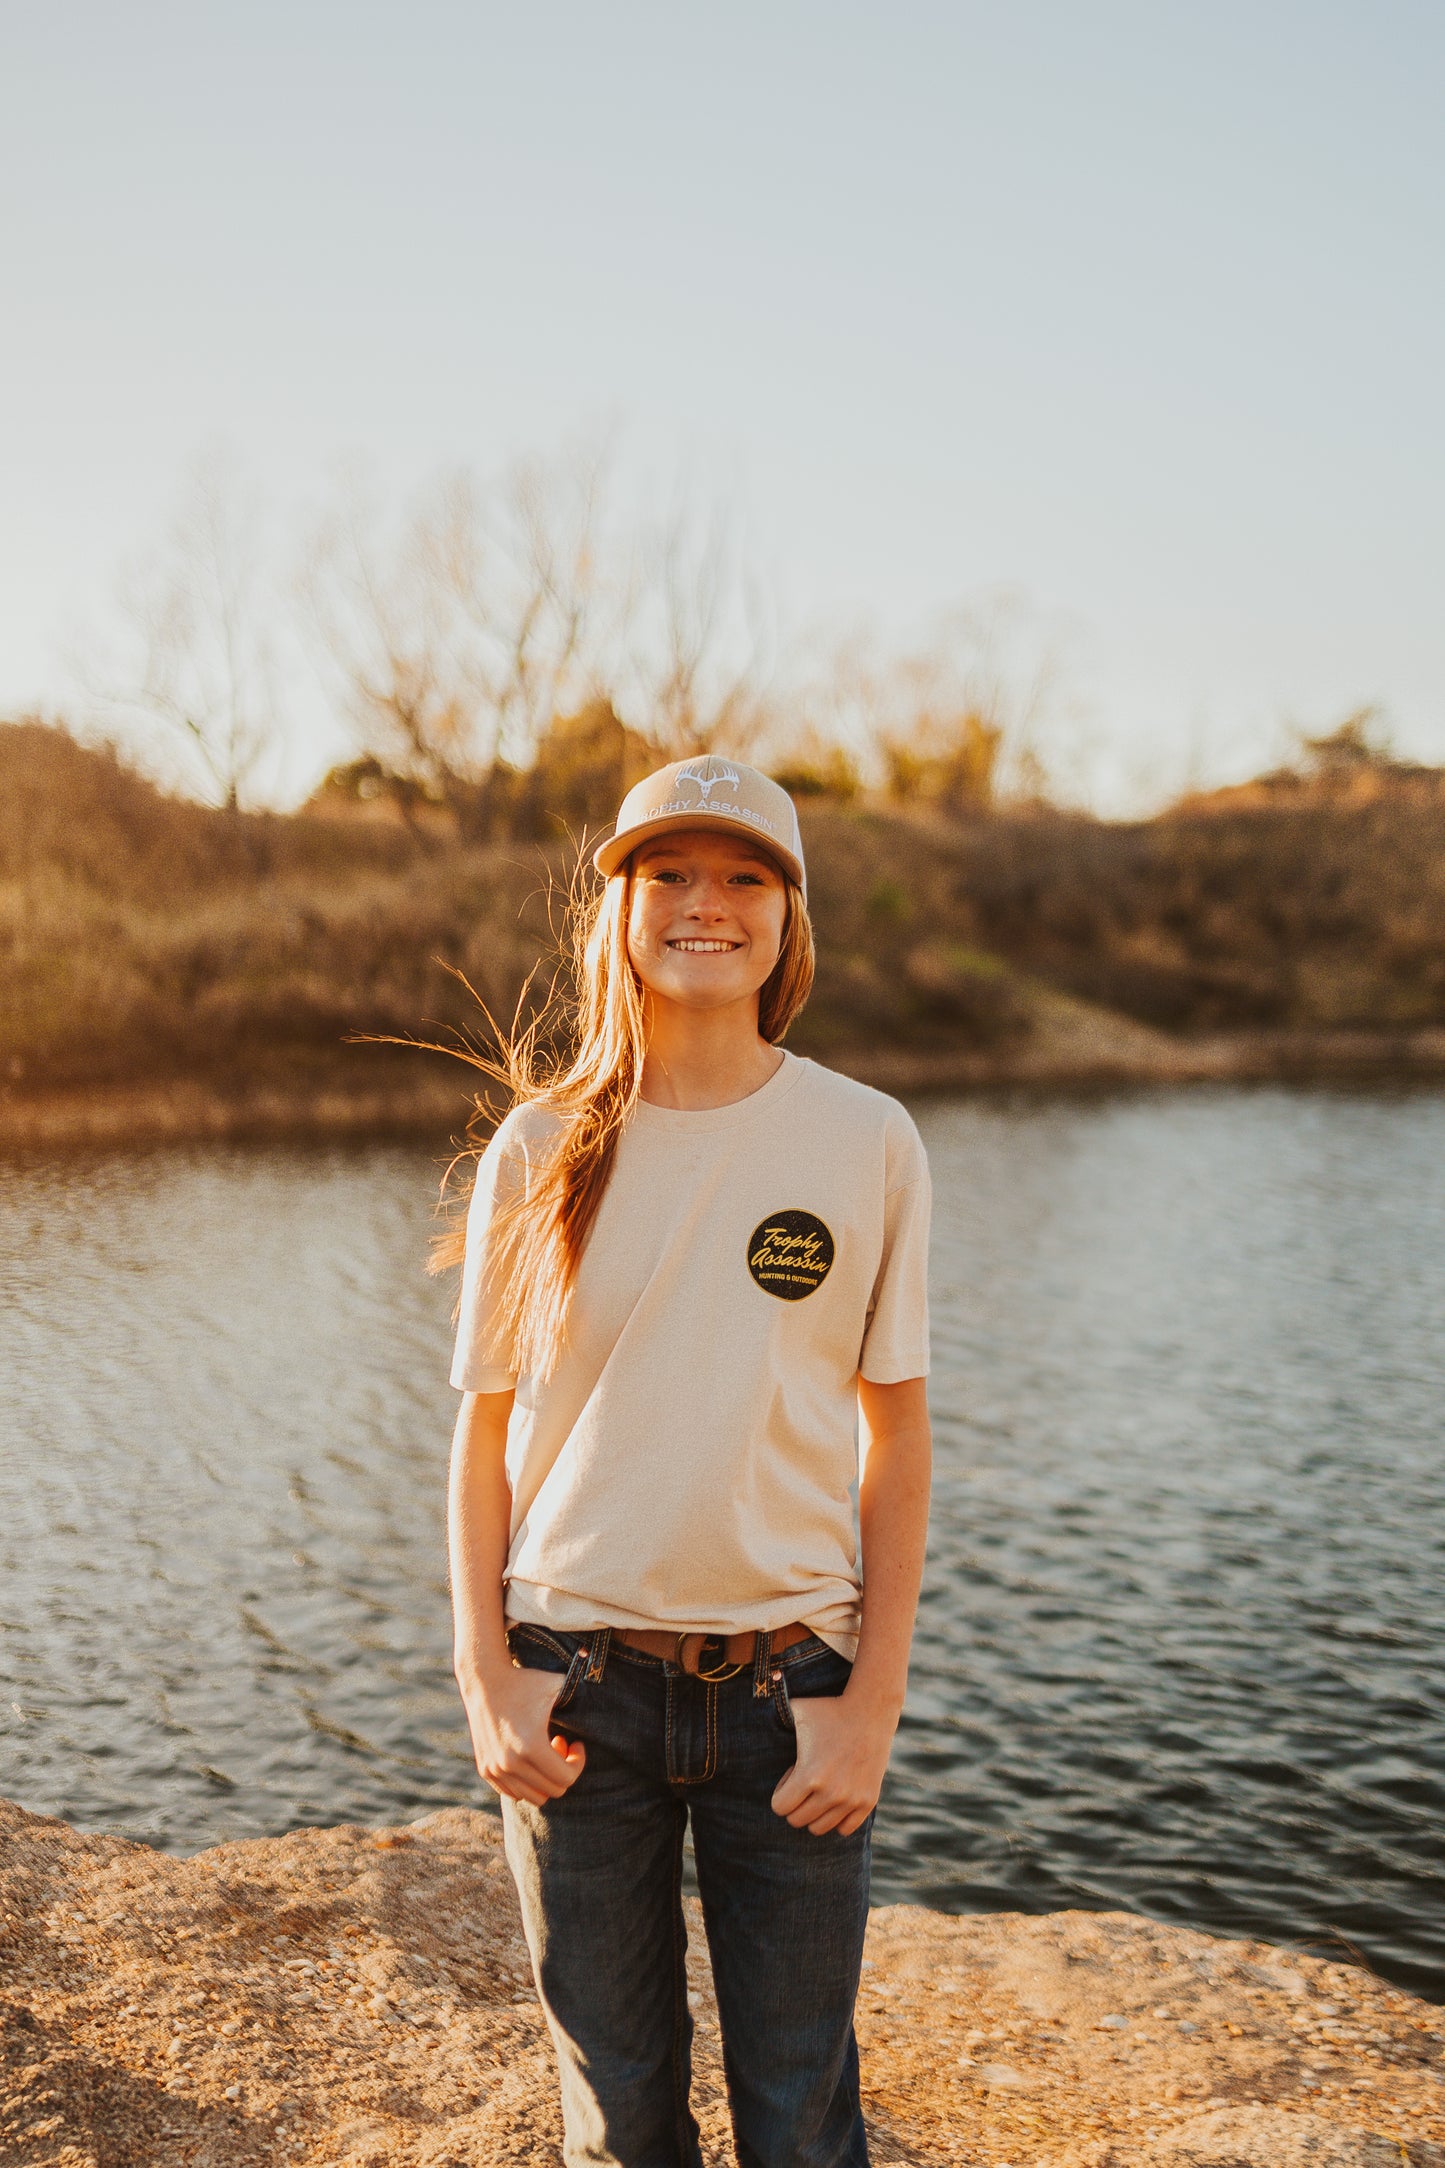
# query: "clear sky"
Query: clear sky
1138,309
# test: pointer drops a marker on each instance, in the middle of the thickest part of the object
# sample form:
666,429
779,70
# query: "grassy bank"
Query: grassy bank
159,959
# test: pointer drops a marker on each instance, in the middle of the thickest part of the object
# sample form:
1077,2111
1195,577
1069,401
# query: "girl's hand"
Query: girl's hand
516,1751
843,1748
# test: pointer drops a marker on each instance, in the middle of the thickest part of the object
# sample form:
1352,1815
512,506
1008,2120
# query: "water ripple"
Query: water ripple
1179,1648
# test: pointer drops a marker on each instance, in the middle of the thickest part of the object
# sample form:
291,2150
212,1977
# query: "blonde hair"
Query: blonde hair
592,1086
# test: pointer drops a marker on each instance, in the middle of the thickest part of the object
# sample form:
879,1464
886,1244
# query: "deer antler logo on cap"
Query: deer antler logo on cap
708,774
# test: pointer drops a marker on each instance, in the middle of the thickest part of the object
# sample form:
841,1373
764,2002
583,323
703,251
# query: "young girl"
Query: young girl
695,1274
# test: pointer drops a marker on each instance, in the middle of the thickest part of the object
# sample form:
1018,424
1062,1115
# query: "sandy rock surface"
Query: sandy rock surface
353,1996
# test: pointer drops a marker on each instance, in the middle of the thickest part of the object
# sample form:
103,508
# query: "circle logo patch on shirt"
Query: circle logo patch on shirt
790,1254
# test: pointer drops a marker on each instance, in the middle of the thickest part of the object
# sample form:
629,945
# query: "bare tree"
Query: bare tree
950,718
383,598
201,619
460,632
541,599
699,647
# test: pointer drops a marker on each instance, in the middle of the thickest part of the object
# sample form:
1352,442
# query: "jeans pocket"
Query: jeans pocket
537,1649
820,1674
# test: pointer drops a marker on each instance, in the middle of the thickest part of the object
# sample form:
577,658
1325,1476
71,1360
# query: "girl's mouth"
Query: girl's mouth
693,946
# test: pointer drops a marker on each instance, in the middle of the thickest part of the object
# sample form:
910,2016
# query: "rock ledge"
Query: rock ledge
350,1996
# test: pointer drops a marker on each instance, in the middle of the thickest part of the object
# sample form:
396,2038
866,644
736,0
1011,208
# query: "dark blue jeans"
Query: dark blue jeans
599,1872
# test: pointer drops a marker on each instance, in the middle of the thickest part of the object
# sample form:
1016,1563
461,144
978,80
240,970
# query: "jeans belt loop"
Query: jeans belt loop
597,1662
762,1658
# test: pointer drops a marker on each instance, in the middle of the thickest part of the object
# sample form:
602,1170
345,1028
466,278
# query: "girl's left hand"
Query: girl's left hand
842,1759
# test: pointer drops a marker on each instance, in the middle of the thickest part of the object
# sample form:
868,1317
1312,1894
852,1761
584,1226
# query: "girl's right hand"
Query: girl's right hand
516,1751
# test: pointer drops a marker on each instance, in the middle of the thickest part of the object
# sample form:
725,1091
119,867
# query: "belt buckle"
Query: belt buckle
713,1678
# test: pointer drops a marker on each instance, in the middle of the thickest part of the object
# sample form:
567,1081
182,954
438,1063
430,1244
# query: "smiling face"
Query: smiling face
706,919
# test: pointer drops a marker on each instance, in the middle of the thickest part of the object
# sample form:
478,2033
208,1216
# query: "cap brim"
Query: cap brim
610,856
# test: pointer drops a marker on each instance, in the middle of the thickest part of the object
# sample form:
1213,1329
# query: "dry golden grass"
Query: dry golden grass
145,938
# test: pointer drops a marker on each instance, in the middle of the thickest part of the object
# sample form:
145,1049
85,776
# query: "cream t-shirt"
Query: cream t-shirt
690,1461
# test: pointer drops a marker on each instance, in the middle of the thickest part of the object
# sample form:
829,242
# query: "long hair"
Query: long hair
539,1236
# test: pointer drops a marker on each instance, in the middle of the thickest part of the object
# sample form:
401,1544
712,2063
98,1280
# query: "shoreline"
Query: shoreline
1081,1053
363,1997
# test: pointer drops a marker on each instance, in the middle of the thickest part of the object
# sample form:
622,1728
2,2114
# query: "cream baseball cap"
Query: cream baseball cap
707,793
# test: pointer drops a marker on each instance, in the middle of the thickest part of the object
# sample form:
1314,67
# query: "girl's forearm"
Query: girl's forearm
479,1512
893,1525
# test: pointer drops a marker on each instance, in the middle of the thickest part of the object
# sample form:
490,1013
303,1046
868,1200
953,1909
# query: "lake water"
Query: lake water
1180,1648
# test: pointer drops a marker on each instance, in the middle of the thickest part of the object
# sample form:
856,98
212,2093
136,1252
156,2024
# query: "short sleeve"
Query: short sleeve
478,1363
895,1344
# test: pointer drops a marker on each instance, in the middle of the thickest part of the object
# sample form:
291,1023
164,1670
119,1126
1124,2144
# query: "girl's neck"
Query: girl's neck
698,1059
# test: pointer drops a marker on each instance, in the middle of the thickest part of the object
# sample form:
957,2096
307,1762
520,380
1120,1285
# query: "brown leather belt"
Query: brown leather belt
727,1654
